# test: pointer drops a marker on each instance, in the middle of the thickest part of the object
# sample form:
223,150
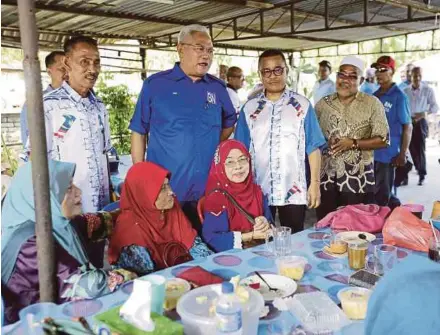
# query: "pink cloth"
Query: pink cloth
367,218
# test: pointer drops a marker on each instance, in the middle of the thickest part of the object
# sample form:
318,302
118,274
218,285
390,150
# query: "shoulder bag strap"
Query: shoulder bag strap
248,216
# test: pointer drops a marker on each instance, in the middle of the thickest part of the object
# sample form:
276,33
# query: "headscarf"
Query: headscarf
18,215
247,194
406,300
141,223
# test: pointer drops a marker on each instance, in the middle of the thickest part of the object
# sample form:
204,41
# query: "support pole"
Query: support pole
366,11
326,15
40,173
142,52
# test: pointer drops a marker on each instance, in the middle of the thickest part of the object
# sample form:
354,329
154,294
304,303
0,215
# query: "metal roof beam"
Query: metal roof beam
421,7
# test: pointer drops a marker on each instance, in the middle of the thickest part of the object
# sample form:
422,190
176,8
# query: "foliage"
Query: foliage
8,157
120,105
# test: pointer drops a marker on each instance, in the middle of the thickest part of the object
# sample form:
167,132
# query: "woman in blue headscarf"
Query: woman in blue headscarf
77,278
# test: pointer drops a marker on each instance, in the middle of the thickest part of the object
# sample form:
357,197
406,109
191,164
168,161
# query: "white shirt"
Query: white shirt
421,99
234,98
78,131
323,88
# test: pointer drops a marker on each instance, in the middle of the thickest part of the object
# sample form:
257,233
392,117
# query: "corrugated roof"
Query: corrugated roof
112,20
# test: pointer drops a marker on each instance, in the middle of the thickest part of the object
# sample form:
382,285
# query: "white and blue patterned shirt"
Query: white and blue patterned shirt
421,99
78,131
278,136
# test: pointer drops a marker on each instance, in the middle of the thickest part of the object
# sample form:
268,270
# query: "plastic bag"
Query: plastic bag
404,229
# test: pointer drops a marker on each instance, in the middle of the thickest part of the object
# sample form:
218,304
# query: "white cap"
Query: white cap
354,61
371,72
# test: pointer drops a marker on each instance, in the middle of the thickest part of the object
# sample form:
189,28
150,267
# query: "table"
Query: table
323,273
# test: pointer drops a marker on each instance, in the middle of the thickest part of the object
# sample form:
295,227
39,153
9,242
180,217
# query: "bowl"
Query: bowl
174,289
354,301
291,266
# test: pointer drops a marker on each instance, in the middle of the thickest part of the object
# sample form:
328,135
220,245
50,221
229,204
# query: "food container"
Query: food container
354,301
174,289
197,310
291,266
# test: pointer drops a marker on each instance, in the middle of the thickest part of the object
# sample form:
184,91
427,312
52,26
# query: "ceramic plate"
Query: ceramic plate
286,286
349,236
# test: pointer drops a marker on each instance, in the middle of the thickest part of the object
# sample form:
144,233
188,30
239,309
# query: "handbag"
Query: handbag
174,253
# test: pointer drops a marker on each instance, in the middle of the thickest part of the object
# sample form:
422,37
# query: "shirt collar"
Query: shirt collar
358,96
324,81
262,96
178,74
390,91
232,88
74,94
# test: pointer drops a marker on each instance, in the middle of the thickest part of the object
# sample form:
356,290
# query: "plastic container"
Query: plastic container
197,310
317,312
354,301
228,312
32,315
291,266
175,289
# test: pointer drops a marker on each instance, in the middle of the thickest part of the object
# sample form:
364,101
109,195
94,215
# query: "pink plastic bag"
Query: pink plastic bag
404,229
367,218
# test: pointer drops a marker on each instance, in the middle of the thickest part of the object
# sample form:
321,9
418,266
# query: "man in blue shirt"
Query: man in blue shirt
56,71
324,86
399,120
185,112
369,86
407,82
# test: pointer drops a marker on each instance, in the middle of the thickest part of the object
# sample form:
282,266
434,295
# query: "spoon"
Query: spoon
264,281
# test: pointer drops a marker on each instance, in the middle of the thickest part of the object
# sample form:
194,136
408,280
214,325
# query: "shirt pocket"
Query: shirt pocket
211,116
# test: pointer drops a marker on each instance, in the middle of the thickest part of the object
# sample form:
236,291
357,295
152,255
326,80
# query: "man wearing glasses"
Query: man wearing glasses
354,125
186,112
235,82
279,127
397,112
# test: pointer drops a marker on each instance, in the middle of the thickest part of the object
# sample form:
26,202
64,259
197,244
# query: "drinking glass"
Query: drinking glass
357,252
434,249
382,260
282,243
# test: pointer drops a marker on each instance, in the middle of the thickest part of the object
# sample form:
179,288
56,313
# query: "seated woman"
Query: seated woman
77,278
152,232
225,225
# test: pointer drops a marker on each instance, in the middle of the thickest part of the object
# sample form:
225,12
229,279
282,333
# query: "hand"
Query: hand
261,224
314,195
260,234
342,145
399,160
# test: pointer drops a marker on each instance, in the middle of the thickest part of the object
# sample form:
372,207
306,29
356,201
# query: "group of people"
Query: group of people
192,190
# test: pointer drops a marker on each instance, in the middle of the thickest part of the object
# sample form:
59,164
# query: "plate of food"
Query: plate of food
283,286
352,236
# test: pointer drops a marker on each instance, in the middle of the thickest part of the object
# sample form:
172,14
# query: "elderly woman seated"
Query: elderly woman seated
236,213
76,276
152,232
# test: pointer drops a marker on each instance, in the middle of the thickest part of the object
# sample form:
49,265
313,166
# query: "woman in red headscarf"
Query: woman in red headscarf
152,233
235,210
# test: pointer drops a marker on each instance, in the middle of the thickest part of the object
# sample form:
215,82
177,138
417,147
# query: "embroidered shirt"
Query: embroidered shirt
278,136
78,131
363,118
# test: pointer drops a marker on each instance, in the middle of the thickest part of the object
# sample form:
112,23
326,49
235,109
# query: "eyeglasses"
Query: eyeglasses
241,162
346,76
267,73
200,49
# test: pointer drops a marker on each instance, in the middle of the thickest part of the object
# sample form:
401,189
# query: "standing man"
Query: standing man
422,102
186,112
222,72
396,107
406,83
279,127
235,82
56,71
369,86
354,125
324,86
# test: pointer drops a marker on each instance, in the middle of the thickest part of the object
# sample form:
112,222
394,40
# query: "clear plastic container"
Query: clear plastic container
317,312
197,310
354,301
291,266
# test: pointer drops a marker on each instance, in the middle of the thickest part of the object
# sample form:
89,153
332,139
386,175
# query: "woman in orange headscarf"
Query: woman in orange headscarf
152,232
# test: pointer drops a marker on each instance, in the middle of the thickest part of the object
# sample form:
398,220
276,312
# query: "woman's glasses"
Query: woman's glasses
346,76
241,162
267,73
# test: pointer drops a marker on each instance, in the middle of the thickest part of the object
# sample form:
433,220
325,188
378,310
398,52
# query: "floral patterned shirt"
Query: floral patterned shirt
363,118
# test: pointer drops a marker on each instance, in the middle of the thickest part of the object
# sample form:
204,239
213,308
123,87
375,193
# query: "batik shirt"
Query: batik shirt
363,118
78,131
278,135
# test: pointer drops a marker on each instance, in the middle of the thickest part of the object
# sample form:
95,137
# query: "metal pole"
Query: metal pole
143,73
40,173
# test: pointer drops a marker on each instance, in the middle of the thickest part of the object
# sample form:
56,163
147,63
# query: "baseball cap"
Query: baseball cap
386,61
354,61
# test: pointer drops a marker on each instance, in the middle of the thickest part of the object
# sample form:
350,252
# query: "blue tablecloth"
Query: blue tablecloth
323,273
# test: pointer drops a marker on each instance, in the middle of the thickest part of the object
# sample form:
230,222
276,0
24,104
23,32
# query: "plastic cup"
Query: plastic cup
158,292
354,301
291,266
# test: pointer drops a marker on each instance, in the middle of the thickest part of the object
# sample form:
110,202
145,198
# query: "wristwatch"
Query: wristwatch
355,144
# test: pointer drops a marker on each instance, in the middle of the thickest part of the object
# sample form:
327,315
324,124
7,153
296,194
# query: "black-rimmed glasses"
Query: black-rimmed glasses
267,73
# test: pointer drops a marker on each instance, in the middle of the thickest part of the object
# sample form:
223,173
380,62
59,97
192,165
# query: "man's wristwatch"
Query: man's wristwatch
355,144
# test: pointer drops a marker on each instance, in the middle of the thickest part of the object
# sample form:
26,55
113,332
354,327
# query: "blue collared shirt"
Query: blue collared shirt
369,88
421,99
23,119
396,108
184,120
404,84
323,88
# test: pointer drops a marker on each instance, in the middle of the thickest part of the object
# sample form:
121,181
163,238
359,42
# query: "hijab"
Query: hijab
18,214
247,194
406,300
141,223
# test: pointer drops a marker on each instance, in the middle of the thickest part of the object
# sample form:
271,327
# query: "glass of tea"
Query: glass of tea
434,249
357,253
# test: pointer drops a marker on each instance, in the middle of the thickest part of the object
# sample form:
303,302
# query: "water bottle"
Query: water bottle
228,312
